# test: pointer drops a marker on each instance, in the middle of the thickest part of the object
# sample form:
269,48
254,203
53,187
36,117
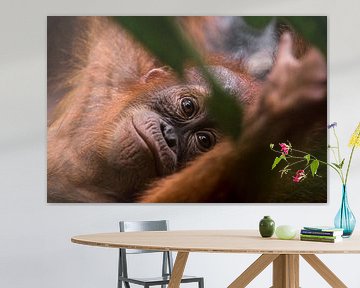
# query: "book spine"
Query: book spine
318,239
320,233
319,236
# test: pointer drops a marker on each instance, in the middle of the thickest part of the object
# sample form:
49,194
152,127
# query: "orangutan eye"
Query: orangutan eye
205,140
188,107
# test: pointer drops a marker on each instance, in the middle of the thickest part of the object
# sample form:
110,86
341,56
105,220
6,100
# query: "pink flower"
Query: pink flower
299,176
284,148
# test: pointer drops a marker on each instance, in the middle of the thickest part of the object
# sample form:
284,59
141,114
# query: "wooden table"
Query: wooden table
284,254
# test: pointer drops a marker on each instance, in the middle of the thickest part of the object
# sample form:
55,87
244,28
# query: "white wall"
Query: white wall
35,248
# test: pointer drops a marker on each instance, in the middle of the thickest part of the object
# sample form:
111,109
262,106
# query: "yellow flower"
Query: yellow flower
355,138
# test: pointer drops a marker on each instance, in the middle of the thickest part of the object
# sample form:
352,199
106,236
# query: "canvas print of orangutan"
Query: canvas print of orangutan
131,119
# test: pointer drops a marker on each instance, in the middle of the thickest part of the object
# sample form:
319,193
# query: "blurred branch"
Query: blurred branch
312,28
258,22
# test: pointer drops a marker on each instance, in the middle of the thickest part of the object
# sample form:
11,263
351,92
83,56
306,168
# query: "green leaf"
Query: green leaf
258,21
271,146
342,163
307,157
312,28
339,165
314,166
226,112
277,161
335,164
162,37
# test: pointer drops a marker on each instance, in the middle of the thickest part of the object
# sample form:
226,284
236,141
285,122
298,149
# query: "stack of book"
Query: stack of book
321,234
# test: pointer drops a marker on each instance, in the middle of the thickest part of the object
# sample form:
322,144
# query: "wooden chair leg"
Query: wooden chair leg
324,271
178,269
253,270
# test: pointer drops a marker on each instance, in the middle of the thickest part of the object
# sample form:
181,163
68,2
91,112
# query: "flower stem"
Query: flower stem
339,161
338,146
333,152
300,151
335,168
325,163
348,167
297,162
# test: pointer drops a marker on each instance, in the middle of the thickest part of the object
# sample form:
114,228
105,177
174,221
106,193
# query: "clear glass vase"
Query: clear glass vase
345,219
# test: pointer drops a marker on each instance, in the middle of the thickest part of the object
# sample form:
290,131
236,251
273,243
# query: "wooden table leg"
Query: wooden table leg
324,271
253,270
178,269
286,271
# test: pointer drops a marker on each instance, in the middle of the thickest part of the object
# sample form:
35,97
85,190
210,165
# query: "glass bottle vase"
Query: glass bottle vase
345,219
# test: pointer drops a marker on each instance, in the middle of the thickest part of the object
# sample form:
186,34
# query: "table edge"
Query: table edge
206,250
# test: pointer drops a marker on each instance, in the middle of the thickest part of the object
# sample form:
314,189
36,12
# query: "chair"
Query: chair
167,262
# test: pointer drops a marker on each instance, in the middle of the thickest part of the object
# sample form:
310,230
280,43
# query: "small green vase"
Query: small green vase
266,226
